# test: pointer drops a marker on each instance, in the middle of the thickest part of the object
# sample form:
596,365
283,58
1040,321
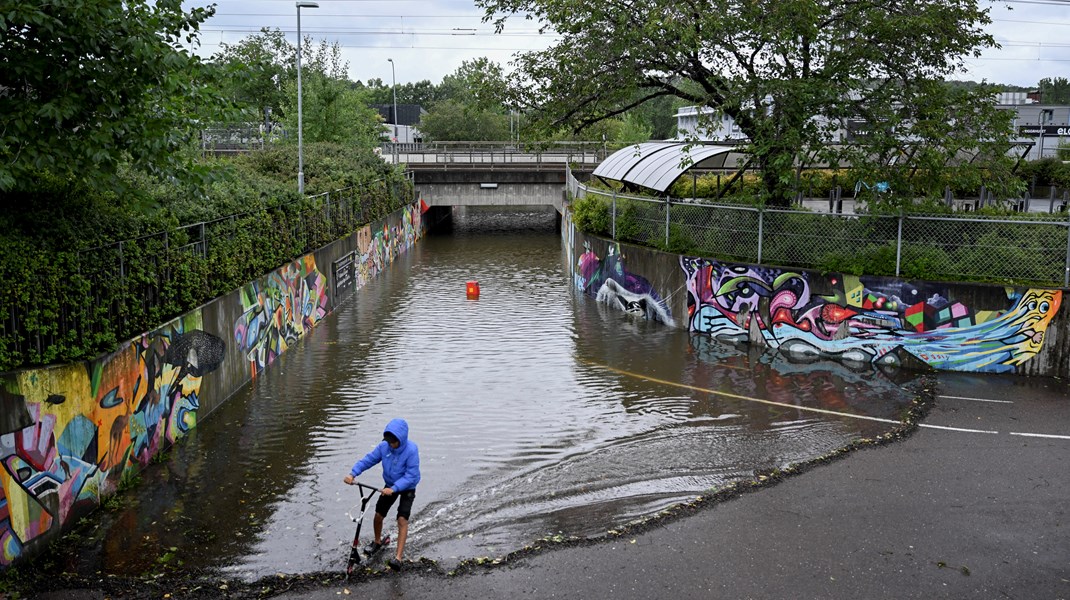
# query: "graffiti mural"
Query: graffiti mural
277,314
609,282
376,250
69,433
872,320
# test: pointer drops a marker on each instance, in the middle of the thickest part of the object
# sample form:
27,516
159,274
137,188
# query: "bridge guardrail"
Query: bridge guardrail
462,154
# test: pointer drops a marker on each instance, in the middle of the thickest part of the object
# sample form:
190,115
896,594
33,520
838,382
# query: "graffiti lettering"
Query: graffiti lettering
870,321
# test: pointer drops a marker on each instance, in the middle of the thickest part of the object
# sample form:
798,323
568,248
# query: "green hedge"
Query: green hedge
71,290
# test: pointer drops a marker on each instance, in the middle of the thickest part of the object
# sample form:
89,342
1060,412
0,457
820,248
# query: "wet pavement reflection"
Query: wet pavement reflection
538,412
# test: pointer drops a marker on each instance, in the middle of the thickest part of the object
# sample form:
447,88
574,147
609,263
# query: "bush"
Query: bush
1047,171
71,290
592,215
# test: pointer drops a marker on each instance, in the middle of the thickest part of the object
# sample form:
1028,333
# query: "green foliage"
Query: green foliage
862,244
254,71
89,84
1063,151
450,120
790,108
1054,90
479,83
71,292
631,225
633,130
1046,171
422,93
680,241
332,110
469,105
744,190
592,215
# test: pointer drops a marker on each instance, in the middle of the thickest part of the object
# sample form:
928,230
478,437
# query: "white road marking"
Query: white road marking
826,411
963,429
1042,435
977,399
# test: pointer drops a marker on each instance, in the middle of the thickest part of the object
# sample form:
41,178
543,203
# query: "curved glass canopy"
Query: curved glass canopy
656,165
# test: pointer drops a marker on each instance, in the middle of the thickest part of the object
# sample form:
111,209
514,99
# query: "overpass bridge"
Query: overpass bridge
459,174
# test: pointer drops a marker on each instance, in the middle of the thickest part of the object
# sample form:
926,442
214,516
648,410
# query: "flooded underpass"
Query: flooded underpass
539,412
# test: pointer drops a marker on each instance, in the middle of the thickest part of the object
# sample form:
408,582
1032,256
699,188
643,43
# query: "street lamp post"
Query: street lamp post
300,139
394,88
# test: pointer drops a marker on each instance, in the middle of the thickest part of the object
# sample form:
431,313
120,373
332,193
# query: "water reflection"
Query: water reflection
676,416
538,411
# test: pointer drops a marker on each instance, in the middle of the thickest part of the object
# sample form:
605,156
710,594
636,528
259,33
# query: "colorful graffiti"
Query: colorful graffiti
608,281
274,316
376,250
870,320
68,434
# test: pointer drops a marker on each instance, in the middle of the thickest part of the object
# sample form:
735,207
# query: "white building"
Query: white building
723,129
1046,126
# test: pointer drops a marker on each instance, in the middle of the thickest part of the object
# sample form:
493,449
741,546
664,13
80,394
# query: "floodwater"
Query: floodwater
538,412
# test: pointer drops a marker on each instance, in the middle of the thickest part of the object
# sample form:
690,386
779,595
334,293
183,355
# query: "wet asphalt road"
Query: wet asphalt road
945,513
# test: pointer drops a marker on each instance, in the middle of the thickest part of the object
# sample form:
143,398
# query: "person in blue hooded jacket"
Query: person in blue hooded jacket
401,472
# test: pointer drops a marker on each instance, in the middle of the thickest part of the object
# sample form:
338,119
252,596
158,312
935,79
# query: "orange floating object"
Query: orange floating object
472,290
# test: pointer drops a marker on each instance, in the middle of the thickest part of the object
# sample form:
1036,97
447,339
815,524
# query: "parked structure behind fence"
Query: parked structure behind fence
1027,250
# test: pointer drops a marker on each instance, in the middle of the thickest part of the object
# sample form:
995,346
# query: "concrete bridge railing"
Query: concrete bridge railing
534,156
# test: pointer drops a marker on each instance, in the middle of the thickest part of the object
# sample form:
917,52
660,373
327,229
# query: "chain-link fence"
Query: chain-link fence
84,302
1029,250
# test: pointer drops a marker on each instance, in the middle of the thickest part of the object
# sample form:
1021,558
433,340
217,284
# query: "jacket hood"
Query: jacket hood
400,429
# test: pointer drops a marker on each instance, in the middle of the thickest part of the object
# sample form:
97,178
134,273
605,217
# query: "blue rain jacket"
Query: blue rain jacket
401,467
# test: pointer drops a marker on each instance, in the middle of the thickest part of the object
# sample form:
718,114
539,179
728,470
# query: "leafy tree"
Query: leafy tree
659,115
87,83
479,82
942,141
332,109
790,73
422,93
256,69
471,105
633,129
450,120
1054,90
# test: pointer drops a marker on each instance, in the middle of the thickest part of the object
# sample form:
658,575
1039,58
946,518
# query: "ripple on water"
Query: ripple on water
537,411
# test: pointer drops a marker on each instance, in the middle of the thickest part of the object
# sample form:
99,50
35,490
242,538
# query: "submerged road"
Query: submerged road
564,415
973,505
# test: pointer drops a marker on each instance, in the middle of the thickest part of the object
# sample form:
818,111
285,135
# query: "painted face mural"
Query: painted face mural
69,433
863,320
609,282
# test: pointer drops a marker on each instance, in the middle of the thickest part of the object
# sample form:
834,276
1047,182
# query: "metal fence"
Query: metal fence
85,301
1026,250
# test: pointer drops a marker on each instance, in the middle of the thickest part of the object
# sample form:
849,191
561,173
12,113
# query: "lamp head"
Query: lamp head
307,4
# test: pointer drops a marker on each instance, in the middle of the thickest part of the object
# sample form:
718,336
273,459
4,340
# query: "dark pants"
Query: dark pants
404,509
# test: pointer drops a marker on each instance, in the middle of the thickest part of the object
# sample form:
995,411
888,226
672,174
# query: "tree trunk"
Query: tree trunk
776,165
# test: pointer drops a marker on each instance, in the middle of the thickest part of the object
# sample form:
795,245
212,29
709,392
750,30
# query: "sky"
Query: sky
428,39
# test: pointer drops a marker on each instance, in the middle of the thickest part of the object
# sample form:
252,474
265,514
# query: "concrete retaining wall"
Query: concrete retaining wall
884,322
490,187
71,434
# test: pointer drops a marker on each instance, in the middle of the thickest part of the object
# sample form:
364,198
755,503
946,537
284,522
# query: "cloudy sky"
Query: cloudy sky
430,38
